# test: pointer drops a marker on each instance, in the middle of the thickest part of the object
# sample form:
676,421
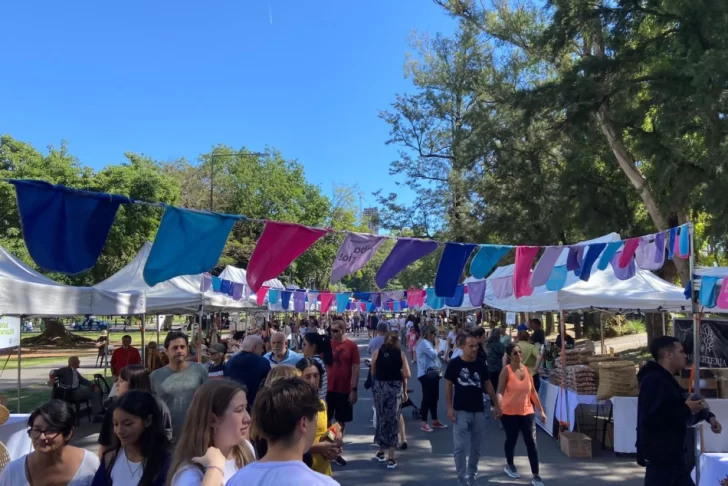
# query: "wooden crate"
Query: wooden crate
575,444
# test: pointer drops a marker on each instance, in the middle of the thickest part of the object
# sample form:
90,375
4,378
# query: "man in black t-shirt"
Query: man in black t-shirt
216,365
538,336
466,379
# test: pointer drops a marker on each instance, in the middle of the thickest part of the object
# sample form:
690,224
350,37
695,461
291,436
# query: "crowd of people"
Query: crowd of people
277,410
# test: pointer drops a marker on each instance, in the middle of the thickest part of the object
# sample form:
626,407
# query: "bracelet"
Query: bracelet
222,473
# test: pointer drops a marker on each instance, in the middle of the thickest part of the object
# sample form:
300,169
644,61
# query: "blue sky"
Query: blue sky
173,79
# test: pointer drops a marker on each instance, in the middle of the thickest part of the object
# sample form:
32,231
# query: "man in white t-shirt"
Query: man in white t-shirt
285,414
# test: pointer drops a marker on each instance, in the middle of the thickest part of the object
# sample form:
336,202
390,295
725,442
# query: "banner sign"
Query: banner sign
713,341
9,332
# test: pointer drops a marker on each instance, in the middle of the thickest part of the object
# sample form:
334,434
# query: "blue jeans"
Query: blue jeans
467,432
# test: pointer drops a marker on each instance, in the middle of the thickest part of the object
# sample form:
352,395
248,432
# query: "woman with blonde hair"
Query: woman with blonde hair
213,443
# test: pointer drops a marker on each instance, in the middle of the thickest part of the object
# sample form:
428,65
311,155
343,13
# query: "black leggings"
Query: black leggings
430,397
525,424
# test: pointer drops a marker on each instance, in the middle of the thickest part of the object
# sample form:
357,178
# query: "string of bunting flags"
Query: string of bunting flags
191,241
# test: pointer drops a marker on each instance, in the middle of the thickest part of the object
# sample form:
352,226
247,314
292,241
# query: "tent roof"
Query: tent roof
23,291
644,291
239,275
178,295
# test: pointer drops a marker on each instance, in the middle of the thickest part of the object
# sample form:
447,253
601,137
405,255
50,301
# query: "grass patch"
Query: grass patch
637,355
32,397
12,363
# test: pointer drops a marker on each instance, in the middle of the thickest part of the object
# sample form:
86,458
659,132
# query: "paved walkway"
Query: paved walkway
429,462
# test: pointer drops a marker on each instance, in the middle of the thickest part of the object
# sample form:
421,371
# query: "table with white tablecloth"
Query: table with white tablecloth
554,401
713,469
14,434
625,425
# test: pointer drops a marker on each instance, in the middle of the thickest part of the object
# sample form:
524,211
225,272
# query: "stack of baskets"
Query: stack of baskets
617,379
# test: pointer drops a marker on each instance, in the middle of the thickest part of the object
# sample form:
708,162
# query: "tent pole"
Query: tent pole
157,331
564,389
144,321
696,346
664,326
19,366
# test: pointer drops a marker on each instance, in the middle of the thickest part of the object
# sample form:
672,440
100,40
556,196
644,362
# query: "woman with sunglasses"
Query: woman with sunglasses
50,428
517,398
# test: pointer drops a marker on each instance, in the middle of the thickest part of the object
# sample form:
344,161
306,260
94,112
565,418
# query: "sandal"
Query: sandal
379,456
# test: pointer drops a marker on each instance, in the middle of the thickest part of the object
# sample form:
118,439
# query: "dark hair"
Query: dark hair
511,347
495,335
323,346
304,363
523,335
172,335
126,336
536,322
478,332
153,443
279,407
239,335
661,345
58,415
391,340
137,376
462,339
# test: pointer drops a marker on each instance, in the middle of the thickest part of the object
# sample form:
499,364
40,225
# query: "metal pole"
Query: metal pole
157,331
19,366
696,346
144,322
196,332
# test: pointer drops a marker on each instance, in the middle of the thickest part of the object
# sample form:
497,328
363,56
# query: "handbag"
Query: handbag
433,373
368,382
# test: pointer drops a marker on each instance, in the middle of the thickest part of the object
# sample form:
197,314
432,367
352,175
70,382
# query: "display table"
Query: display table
14,434
713,469
553,400
625,425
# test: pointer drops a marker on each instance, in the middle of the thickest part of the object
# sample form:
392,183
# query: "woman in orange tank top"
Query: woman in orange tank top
517,398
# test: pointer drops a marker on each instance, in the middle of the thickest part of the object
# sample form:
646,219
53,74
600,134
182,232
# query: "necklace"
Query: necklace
133,472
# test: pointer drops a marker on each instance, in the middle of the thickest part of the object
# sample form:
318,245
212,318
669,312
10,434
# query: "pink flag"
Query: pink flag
277,247
326,299
630,247
355,251
722,302
525,255
260,295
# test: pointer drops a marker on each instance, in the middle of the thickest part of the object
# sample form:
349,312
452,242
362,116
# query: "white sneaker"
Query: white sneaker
512,472
536,481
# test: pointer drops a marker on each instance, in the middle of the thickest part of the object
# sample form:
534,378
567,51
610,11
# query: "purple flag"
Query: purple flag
206,282
299,301
545,266
405,252
355,251
238,290
623,273
476,292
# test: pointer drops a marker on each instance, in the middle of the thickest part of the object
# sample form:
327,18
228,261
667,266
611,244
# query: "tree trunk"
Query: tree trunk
549,323
54,329
626,161
653,325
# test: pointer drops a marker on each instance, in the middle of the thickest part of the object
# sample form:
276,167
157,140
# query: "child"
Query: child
412,342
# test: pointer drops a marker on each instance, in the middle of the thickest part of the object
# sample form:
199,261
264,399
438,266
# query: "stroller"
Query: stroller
408,403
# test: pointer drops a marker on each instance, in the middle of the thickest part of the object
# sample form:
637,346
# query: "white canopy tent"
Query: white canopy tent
644,291
178,295
25,292
239,275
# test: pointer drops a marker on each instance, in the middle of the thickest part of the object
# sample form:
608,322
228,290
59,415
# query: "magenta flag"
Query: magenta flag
355,251
260,295
326,300
405,252
525,255
277,247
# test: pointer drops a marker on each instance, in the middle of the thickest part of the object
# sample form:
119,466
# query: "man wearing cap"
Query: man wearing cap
216,365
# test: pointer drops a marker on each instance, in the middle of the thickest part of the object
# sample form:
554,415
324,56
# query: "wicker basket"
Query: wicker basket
617,379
